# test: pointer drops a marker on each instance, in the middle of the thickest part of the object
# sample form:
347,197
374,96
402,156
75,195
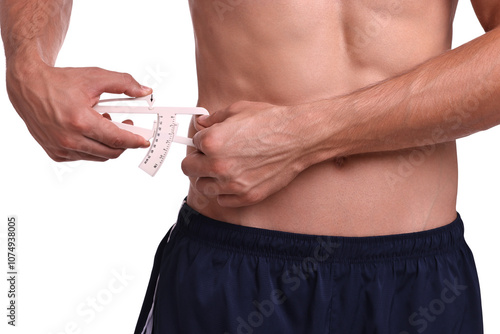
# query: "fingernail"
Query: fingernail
202,118
146,88
145,144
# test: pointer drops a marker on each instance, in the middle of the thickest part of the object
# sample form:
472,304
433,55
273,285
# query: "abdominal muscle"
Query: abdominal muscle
293,52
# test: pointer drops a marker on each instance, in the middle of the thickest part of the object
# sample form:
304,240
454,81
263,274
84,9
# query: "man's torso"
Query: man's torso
296,51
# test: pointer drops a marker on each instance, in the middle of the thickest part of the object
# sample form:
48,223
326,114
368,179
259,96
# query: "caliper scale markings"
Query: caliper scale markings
163,135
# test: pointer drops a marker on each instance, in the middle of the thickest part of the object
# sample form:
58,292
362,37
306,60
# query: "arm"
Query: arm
56,103
448,97
34,29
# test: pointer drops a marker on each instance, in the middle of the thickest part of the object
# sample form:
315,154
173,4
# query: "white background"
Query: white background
82,223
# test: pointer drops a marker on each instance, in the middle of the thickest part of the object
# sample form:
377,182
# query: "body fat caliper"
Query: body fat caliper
164,130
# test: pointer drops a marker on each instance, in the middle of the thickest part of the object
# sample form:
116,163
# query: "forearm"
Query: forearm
56,103
446,98
34,29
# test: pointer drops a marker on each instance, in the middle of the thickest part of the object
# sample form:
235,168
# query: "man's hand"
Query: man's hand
56,105
246,152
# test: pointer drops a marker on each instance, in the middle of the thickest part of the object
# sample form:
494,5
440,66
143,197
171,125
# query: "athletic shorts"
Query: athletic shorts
219,278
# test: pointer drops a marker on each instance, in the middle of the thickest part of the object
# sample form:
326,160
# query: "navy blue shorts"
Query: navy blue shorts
220,278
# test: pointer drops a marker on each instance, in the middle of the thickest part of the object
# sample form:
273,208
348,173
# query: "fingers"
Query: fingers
75,156
228,194
85,149
197,123
119,83
202,122
194,164
105,132
88,149
100,141
234,201
208,175
104,140
213,180
74,131
127,121
61,147
205,121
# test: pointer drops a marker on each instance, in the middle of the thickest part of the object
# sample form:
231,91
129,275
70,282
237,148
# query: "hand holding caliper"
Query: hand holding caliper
164,131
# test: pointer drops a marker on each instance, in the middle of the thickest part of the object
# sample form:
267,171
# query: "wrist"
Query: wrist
22,66
321,124
22,75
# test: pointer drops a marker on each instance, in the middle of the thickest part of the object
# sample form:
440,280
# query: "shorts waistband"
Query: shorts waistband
271,243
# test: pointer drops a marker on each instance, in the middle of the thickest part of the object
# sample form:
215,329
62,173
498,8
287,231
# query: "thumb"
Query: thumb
221,115
120,83
205,121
